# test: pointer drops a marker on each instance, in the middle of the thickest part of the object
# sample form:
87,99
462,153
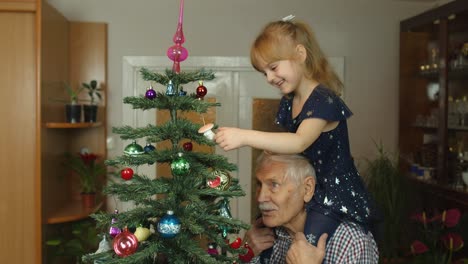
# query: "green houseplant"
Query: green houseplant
388,187
94,93
72,108
90,172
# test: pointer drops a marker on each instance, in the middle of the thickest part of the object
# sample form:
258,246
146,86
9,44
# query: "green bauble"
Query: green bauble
180,166
133,149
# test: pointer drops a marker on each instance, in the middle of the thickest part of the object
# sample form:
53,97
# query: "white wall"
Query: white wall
365,32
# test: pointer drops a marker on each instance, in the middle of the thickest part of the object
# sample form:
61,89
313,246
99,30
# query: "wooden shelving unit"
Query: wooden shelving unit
72,125
72,211
433,40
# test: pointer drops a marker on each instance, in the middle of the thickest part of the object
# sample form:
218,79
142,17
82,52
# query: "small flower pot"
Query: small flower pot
73,113
88,200
90,113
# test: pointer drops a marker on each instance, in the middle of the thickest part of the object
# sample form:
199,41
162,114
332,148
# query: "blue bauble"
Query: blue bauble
169,225
149,148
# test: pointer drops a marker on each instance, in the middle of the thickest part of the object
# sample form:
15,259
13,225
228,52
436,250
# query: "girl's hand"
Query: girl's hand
259,237
229,138
302,252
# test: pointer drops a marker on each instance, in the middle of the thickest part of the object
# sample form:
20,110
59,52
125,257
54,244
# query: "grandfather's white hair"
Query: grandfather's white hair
297,167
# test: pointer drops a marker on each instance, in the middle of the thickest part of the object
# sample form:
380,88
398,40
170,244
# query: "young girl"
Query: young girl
314,115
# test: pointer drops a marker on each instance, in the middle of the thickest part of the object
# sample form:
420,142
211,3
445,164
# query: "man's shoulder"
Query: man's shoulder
351,244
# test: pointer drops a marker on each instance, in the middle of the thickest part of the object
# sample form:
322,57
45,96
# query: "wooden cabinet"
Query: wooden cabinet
41,50
433,128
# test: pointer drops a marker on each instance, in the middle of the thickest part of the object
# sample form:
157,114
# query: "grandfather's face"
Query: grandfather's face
280,200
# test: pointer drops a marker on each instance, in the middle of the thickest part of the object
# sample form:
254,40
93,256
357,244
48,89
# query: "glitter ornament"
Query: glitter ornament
188,146
201,90
206,131
150,93
133,149
182,92
225,211
114,230
221,181
236,243
125,243
142,233
169,225
170,90
180,166
212,249
149,148
126,174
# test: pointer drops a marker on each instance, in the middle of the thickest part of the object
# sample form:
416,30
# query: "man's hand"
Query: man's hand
302,252
259,237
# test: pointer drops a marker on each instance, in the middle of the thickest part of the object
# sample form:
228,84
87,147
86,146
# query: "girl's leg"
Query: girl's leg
319,221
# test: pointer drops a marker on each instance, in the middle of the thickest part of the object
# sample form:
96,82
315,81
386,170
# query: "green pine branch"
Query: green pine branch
187,103
177,78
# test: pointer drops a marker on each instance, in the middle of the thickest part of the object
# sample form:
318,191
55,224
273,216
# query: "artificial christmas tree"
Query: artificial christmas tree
187,212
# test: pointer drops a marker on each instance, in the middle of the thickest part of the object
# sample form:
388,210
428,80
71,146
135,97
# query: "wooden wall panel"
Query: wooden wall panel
18,138
88,60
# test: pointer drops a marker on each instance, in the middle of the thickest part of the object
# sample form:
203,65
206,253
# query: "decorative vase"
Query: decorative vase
73,113
90,113
88,200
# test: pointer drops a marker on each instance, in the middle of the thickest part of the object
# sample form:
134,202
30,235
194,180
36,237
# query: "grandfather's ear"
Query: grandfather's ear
309,188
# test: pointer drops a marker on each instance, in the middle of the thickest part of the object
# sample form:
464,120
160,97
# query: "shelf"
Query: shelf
456,195
71,212
72,125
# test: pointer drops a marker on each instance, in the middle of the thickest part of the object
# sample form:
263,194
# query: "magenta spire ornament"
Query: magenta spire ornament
177,53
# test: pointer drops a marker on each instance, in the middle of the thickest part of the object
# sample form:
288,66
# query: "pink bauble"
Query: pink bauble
125,244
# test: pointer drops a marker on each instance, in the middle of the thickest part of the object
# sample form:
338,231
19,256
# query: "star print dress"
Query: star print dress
339,187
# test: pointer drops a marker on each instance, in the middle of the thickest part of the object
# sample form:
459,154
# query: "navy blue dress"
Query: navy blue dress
339,189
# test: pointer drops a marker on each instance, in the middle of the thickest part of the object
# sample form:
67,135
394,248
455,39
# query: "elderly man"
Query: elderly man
285,183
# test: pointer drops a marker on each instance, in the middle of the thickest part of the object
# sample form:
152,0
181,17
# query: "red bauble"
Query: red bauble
188,146
126,174
125,243
215,182
236,243
201,90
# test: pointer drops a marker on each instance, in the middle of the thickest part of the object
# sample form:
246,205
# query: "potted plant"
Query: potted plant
90,110
388,188
90,171
72,108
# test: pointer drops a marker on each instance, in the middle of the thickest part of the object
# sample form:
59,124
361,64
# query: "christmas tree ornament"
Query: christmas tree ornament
180,166
133,149
148,149
206,131
142,233
170,90
201,90
182,92
126,174
169,225
125,243
212,250
150,93
225,211
177,53
104,246
247,257
236,243
114,230
221,181
188,146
